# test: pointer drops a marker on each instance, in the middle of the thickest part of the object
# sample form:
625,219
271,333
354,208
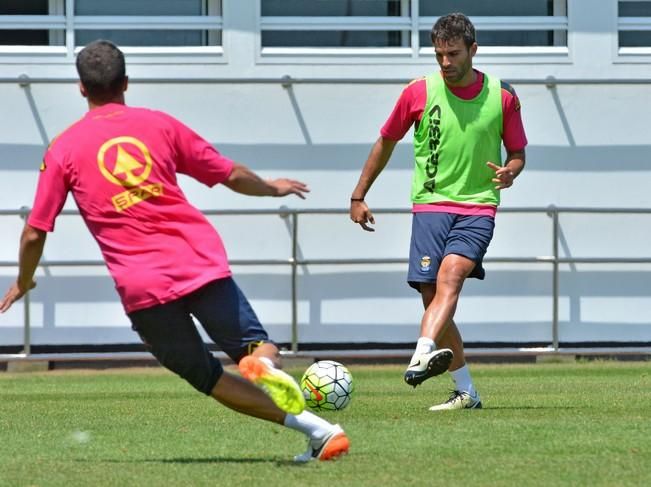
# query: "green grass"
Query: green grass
585,423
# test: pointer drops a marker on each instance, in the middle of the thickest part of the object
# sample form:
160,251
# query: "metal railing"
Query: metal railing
24,80
294,260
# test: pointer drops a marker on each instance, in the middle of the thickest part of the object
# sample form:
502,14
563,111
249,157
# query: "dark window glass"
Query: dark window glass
529,38
140,7
487,7
632,38
502,8
23,7
330,8
635,38
148,38
634,9
340,38
335,37
24,37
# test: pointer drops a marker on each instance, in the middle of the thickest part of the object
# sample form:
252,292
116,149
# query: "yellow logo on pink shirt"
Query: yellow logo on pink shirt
122,168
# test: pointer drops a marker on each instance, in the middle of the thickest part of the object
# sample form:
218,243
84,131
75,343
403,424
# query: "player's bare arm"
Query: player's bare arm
243,180
376,162
32,241
506,174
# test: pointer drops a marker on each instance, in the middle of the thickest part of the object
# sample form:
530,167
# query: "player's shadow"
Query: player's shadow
190,460
520,408
207,460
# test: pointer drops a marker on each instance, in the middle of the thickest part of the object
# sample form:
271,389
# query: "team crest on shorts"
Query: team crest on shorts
425,263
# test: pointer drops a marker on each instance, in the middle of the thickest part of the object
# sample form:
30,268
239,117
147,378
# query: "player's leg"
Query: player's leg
467,243
428,236
169,333
325,440
438,315
229,320
226,315
451,338
464,393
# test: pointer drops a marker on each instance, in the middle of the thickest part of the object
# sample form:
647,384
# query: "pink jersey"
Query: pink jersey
120,163
409,110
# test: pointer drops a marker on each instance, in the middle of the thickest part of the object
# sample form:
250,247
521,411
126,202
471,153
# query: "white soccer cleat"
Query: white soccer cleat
331,446
428,365
459,400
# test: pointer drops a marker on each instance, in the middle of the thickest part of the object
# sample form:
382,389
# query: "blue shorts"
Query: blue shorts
435,235
169,333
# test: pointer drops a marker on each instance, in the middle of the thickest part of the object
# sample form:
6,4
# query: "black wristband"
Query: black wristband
357,199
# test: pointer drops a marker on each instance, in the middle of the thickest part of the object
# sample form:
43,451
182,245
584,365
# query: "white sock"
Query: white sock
463,381
267,361
423,345
308,423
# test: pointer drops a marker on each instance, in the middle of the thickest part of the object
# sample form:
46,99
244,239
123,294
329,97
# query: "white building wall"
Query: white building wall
588,147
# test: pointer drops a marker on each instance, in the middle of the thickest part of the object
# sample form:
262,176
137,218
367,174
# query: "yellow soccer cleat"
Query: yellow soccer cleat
280,386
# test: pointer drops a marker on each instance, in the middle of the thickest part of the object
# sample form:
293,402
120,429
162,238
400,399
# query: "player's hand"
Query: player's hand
503,176
359,213
286,187
15,292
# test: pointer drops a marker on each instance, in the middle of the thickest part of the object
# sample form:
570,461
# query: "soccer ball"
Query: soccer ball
327,386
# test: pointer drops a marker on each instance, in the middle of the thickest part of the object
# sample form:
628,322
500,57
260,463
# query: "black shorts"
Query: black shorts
169,332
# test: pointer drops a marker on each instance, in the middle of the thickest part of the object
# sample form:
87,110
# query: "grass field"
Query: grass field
585,423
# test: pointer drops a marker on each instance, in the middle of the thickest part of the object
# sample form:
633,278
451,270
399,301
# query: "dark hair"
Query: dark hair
454,26
101,70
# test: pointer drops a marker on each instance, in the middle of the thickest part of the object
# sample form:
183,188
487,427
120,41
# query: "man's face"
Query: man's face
455,59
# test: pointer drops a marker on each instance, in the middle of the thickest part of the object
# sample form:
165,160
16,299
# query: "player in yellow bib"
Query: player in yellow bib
462,117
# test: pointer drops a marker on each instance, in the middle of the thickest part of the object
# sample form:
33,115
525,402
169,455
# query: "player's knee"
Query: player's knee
203,378
449,282
202,373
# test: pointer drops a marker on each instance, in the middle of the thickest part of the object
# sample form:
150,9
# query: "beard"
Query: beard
454,75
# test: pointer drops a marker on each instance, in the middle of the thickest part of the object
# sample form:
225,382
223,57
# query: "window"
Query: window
335,23
27,22
137,27
539,23
128,23
634,26
377,27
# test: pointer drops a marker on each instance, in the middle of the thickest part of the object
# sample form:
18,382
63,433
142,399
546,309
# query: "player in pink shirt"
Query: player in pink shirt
168,262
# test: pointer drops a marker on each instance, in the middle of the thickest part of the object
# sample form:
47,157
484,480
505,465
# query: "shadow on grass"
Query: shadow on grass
93,396
277,461
521,408
193,460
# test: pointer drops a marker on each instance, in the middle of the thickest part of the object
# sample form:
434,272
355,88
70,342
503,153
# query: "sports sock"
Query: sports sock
463,381
267,361
308,423
423,345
